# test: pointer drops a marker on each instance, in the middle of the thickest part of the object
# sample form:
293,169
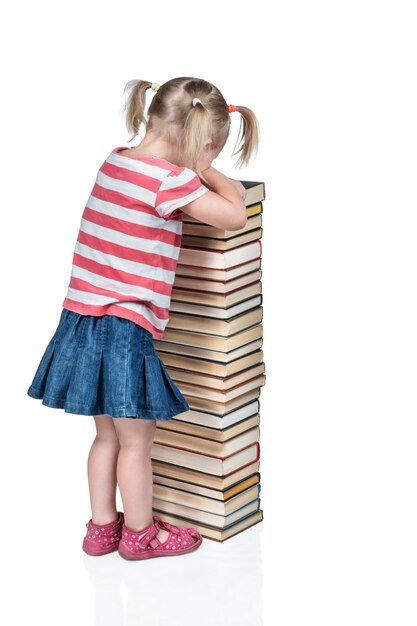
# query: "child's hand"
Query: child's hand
236,183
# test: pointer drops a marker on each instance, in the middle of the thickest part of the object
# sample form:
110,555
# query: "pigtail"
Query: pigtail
248,136
135,105
197,129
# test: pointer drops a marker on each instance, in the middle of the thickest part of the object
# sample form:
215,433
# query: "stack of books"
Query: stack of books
206,460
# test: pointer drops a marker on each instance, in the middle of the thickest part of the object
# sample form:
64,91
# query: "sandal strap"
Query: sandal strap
180,532
149,538
166,525
145,537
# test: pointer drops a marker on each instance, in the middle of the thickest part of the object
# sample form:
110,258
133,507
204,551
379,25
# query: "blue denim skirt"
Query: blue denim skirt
105,365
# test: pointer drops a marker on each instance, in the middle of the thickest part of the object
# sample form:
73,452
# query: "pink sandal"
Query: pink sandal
144,544
103,539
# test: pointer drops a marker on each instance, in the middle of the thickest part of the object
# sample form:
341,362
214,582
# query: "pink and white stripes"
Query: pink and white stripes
129,240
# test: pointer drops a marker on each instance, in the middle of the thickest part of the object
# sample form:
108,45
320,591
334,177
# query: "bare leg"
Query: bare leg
134,471
102,462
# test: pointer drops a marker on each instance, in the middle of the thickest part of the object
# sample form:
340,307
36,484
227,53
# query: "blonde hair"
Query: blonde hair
188,126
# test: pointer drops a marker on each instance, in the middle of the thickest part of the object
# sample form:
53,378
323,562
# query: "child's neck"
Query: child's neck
152,145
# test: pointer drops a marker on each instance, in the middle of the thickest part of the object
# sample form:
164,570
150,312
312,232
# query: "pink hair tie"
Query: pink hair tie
231,108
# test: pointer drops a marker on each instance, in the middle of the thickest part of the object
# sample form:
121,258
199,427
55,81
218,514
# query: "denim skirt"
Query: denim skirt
105,365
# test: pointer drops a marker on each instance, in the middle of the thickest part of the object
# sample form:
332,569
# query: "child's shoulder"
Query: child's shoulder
168,168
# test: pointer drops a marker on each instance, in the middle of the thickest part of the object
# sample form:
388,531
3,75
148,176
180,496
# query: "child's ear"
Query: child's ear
207,145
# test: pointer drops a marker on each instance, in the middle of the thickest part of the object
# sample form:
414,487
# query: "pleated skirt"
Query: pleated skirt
105,365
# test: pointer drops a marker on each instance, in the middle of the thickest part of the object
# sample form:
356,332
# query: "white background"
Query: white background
334,87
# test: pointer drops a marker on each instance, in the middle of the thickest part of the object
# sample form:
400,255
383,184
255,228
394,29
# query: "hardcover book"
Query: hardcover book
196,515
221,260
222,244
208,492
222,396
217,421
212,274
163,469
216,286
186,500
222,383
218,312
215,434
203,404
218,360
217,465
222,329
213,532
247,329
208,447
206,364
211,298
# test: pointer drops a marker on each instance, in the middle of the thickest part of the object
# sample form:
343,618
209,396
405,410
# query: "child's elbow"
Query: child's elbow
239,222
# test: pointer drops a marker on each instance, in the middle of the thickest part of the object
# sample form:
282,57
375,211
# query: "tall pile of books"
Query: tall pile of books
206,460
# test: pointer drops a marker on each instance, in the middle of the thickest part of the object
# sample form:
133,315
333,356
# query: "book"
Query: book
221,244
216,358
208,492
206,365
217,421
187,500
255,191
213,299
221,396
163,469
218,312
200,229
254,209
217,259
195,515
205,354
221,383
220,408
214,533
211,346
220,275
209,433
200,445
222,287
219,466
188,328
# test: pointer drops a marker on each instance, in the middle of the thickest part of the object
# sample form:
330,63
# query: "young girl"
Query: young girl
101,359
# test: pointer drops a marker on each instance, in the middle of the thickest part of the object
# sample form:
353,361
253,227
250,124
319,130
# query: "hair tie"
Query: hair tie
196,100
231,108
155,87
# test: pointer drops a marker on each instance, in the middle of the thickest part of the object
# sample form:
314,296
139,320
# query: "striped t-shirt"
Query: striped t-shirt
129,240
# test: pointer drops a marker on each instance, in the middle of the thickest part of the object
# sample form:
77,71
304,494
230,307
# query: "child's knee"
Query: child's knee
105,429
135,433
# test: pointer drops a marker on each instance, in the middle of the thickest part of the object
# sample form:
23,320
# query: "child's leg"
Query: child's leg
102,463
134,471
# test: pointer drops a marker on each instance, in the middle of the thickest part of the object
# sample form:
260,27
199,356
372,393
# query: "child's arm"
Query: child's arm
223,205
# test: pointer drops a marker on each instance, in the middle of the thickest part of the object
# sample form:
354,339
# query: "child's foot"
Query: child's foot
104,538
158,539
